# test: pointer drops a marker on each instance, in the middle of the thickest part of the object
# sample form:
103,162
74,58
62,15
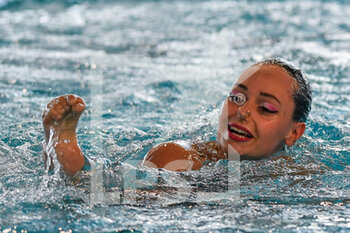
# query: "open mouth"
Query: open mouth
239,133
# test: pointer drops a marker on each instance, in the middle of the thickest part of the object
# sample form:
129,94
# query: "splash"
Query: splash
52,165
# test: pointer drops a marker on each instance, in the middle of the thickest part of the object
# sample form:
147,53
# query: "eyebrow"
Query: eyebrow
270,96
261,93
243,86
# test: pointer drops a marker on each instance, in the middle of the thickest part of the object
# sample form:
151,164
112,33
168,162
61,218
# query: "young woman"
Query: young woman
265,110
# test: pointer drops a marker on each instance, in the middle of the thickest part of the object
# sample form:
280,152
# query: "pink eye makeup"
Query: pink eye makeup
270,107
238,97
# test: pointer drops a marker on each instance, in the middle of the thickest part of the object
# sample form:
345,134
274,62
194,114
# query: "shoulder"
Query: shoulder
174,156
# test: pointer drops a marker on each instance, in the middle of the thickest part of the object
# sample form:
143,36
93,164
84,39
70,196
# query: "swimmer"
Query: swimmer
265,111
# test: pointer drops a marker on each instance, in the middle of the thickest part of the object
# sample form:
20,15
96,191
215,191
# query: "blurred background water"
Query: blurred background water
152,71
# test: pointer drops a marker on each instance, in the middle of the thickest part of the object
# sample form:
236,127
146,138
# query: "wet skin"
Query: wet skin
61,118
255,128
263,124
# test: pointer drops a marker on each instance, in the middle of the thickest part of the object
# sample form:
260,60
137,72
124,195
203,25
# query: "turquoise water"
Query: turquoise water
152,71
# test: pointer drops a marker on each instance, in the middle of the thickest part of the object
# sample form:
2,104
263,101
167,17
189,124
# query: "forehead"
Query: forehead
267,77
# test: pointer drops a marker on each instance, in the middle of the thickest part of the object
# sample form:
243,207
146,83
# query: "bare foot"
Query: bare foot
60,120
62,115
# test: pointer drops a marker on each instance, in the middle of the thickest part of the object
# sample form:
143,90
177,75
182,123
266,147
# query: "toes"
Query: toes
49,105
80,100
79,104
60,109
56,108
72,99
60,106
55,115
66,107
57,101
62,101
78,108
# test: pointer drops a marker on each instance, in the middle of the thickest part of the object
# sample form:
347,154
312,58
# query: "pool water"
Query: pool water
153,71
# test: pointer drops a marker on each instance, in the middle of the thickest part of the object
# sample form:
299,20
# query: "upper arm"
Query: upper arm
173,157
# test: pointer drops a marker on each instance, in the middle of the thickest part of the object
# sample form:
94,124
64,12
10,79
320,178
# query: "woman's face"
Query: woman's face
256,119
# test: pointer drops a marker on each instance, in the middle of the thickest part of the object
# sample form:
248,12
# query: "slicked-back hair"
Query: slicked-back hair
302,94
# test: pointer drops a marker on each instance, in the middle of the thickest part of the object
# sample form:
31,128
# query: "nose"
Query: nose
242,116
240,112
243,112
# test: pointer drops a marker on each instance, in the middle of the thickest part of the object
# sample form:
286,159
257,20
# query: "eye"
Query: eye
268,108
237,97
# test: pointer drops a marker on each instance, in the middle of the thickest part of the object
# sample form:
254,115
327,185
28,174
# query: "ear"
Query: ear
295,133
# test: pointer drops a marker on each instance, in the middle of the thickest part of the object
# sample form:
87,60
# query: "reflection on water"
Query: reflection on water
152,71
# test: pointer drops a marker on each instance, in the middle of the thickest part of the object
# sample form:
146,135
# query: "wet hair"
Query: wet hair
302,95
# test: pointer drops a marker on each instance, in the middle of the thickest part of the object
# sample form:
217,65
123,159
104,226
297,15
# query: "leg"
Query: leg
60,120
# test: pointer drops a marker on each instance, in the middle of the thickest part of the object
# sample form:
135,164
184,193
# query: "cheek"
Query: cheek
272,129
232,110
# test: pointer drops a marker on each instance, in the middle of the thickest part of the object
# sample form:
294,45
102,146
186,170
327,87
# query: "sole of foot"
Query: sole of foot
62,116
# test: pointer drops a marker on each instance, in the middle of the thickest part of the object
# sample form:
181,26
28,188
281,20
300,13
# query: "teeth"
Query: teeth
238,131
